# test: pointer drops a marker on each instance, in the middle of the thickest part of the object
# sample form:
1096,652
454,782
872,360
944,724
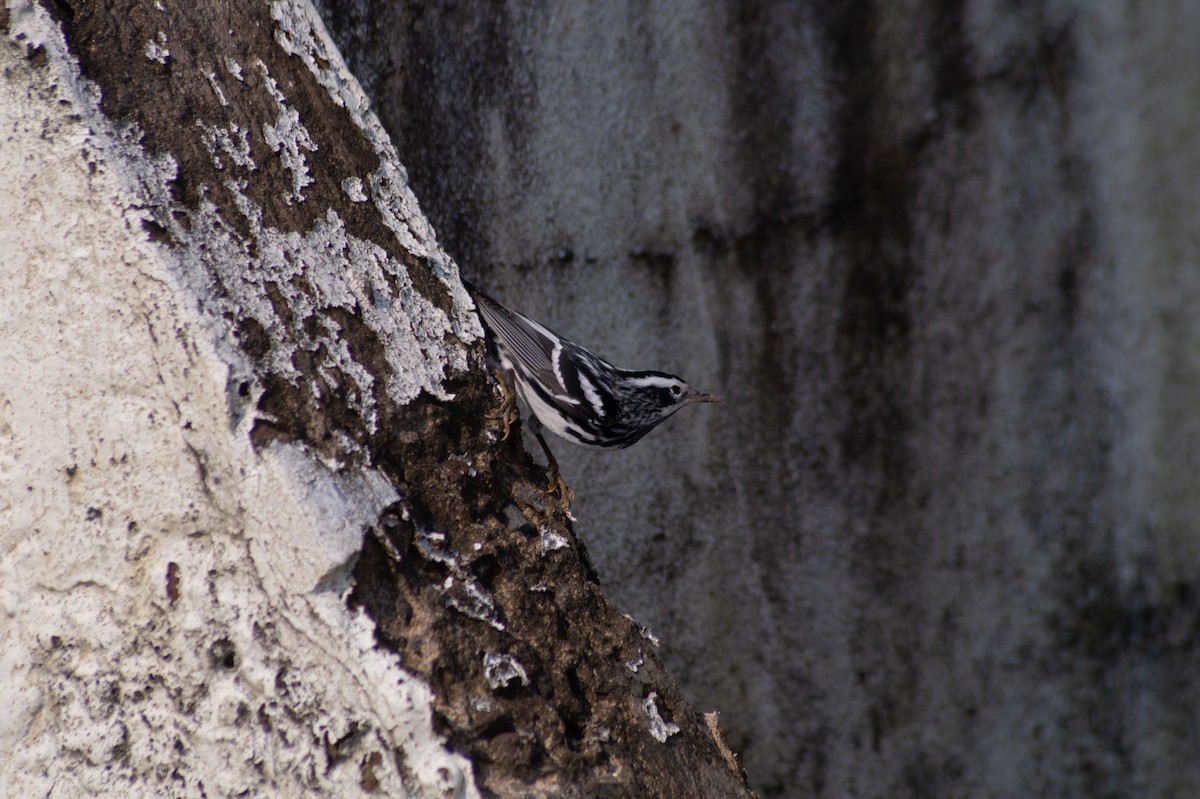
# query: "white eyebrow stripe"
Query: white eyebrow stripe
652,380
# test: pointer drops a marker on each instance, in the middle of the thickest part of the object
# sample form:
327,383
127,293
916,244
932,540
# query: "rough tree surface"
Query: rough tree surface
941,260
256,533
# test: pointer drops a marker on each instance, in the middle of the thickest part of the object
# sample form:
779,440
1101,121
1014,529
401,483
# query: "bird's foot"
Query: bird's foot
507,412
559,486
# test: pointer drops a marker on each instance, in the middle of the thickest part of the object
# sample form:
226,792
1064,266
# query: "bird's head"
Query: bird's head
664,394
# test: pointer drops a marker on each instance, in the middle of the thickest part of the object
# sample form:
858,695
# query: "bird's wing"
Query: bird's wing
536,348
560,372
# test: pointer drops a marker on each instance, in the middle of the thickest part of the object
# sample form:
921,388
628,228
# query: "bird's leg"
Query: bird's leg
508,405
557,486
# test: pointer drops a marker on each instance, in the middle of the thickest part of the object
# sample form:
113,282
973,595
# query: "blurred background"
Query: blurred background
942,259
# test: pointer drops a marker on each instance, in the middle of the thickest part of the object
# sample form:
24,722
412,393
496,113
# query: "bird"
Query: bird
570,390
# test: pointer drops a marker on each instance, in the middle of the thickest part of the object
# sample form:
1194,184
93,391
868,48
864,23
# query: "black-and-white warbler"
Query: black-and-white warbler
573,392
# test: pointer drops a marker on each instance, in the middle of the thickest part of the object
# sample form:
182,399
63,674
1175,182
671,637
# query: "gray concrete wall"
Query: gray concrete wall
941,258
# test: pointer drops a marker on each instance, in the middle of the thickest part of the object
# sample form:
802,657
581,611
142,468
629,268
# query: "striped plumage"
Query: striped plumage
574,393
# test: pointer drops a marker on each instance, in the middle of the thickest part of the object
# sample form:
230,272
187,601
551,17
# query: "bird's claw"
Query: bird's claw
507,412
566,495
557,485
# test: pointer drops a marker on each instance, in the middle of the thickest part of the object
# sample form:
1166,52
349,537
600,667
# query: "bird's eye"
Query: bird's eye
676,390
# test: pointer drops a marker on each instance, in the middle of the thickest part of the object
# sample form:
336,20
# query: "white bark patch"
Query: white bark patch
288,137
501,669
660,729
212,80
302,33
227,142
552,541
354,190
156,49
164,623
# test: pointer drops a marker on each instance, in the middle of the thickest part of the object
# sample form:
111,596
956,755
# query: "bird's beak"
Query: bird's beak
696,396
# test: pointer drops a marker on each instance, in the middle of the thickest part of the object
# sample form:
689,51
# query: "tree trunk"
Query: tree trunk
257,535
941,260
